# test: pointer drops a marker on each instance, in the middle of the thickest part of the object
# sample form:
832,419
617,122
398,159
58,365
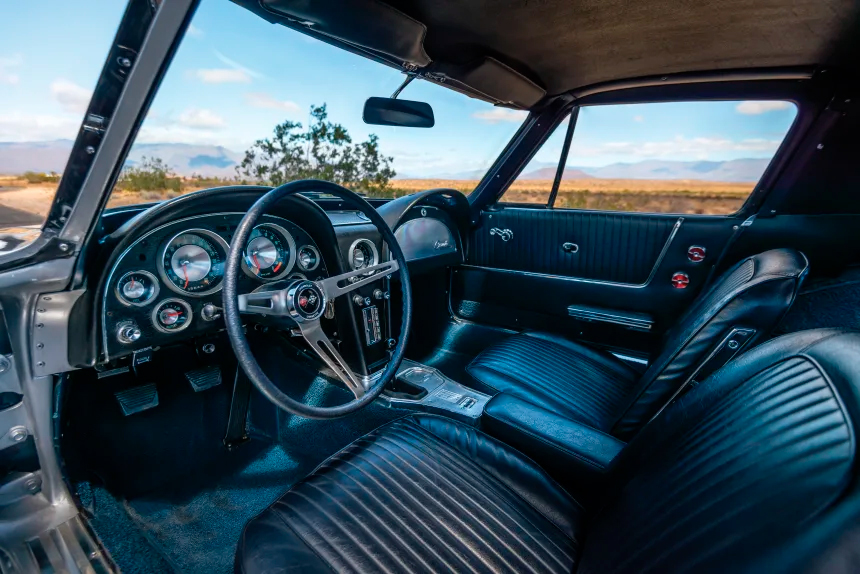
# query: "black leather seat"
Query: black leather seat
754,471
600,390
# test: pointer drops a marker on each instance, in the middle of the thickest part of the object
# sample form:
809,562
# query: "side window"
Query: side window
674,157
534,184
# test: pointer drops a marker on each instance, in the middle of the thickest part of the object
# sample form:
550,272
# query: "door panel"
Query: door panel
616,247
615,290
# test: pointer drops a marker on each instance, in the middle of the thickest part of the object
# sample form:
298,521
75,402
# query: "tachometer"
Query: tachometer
270,252
193,262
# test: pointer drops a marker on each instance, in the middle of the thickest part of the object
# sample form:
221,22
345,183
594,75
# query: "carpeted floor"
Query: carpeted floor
198,532
174,499
196,526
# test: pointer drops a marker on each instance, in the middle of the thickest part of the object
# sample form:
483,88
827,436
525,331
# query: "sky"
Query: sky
235,76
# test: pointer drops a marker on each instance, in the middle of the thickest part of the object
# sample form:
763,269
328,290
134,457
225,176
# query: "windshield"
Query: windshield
51,54
245,101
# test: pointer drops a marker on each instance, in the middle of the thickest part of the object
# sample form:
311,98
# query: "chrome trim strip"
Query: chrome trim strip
654,269
606,317
628,358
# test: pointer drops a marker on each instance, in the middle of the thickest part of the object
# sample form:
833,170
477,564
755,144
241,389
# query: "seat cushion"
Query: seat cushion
420,494
564,377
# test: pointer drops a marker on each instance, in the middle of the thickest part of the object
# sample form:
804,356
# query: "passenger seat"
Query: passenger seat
596,388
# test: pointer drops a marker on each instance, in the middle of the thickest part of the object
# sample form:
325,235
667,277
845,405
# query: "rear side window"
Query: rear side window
675,157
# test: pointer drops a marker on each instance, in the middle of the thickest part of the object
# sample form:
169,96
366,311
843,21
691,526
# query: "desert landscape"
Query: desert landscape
24,203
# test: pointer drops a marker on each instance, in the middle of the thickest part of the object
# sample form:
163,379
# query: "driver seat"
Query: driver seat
753,471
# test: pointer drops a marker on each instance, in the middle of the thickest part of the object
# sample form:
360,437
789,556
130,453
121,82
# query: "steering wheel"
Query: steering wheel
303,302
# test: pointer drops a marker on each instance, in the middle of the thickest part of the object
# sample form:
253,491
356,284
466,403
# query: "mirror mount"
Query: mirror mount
409,78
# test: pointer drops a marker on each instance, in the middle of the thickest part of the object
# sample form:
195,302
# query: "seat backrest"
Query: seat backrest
754,470
741,307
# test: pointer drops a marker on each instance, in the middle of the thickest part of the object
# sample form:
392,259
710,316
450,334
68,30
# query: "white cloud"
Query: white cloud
7,64
221,76
638,119
265,101
71,97
756,107
176,133
18,127
677,148
201,119
236,65
234,73
194,31
497,115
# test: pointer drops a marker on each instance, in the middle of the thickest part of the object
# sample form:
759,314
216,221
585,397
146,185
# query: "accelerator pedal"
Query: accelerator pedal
205,378
137,399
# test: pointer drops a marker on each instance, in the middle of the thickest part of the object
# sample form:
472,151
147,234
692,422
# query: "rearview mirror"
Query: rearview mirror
403,113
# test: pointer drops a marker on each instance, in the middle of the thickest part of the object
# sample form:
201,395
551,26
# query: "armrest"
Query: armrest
575,454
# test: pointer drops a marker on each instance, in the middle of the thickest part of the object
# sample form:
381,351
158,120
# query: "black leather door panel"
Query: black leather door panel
625,263
616,247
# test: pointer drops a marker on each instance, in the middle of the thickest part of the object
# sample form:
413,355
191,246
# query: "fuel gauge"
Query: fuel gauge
171,315
137,288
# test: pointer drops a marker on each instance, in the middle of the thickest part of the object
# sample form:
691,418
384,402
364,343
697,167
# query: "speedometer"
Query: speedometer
270,252
192,262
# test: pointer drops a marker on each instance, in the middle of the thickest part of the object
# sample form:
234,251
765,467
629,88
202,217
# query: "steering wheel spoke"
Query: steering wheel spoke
269,303
332,286
322,346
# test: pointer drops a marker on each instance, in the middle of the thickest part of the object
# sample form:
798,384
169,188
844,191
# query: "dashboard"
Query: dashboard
164,268
169,280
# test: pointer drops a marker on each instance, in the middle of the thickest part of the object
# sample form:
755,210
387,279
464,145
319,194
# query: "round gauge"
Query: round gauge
171,315
308,258
193,262
137,288
363,254
270,252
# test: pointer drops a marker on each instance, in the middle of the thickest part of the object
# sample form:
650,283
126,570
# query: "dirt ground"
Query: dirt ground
22,204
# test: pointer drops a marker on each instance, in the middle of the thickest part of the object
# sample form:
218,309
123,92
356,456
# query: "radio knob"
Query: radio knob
127,334
379,294
358,300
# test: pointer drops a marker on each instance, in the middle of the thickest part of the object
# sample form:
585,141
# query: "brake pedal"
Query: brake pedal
137,399
205,378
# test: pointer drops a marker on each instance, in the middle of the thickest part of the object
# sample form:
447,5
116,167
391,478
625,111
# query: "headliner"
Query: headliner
567,44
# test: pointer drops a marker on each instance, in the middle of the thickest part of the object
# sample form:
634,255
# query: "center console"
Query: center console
422,388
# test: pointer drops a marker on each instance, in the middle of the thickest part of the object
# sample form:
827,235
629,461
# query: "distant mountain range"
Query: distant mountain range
184,159
187,159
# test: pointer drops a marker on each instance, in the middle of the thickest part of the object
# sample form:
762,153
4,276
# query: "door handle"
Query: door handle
570,247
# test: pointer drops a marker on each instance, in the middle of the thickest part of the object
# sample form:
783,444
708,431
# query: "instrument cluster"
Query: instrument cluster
169,280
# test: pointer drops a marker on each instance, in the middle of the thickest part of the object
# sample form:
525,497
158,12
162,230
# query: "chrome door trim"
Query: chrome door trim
647,282
601,316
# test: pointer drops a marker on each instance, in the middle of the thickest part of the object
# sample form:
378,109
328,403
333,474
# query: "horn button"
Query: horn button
306,301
